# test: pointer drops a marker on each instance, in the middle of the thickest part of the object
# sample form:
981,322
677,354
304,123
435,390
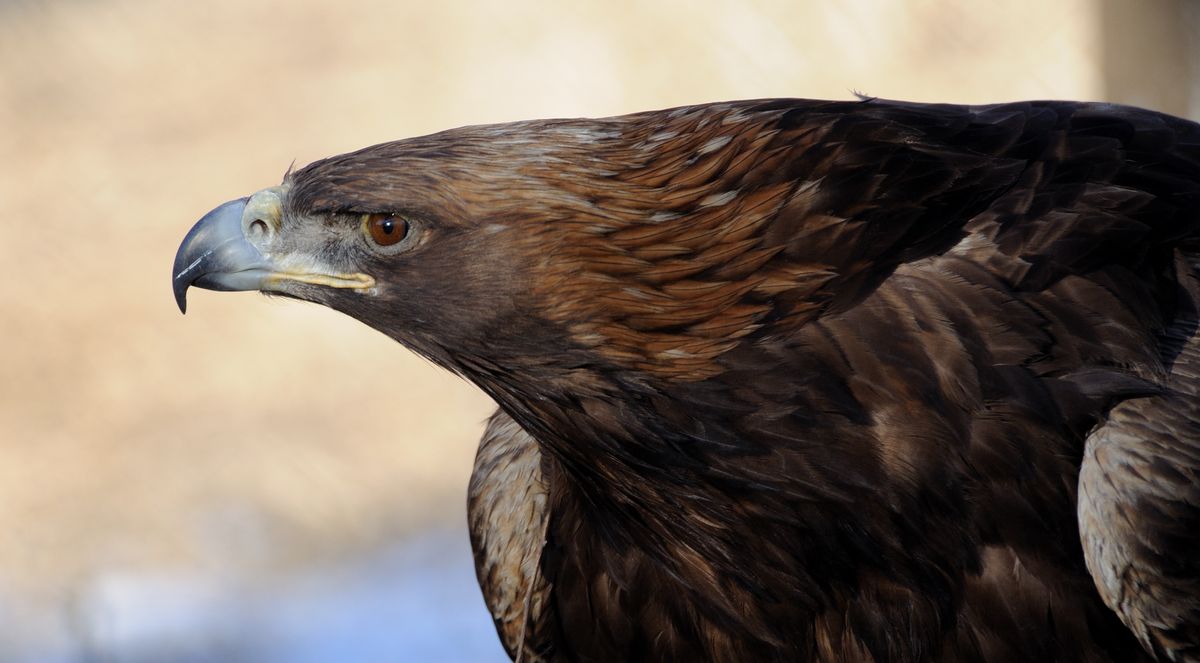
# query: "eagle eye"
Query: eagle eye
385,230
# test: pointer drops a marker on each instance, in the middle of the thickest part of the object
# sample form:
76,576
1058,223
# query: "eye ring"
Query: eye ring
385,230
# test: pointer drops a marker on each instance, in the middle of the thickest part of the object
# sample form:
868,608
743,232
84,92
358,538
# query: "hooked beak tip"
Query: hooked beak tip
181,297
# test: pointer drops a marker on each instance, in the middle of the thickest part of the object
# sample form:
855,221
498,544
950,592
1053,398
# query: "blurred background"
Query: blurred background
267,480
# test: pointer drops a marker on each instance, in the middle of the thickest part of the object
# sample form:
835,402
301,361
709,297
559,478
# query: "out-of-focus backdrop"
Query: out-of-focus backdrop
266,480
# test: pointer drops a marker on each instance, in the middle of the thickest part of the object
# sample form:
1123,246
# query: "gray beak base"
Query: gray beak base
216,255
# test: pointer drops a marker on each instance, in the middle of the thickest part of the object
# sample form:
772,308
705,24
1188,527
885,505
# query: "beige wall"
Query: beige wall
130,435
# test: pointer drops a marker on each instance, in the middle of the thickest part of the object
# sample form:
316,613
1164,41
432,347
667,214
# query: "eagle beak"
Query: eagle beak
228,249
216,255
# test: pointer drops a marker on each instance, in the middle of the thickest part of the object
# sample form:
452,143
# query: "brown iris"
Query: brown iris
386,229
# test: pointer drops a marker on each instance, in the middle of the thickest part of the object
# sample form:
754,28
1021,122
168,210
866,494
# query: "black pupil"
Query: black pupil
388,226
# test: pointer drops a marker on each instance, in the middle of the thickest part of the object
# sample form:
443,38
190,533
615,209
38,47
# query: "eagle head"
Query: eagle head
436,241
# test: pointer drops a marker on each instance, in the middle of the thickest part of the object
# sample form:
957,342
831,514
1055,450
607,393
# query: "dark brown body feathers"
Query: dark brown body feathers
791,380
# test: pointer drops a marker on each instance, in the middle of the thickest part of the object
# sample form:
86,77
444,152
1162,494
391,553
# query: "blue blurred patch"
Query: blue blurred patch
414,602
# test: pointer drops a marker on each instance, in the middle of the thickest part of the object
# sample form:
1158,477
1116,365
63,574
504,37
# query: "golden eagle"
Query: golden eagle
792,380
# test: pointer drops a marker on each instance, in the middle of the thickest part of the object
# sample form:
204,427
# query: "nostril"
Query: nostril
259,230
